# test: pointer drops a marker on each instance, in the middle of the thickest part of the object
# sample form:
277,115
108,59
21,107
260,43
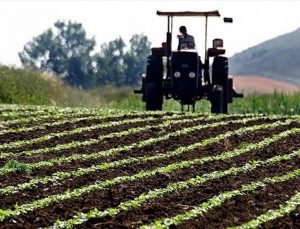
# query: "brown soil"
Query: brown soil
160,147
262,85
113,196
231,213
290,221
9,137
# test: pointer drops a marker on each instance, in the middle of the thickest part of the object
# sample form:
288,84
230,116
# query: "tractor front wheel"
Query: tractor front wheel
153,97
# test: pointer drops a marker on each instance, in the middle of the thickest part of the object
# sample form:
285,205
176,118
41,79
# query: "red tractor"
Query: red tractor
181,74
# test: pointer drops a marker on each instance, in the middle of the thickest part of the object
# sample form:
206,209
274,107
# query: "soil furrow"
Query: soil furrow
106,143
42,191
85,135
183,201
11,137
161,147
113,196
291,221
42,119
244,208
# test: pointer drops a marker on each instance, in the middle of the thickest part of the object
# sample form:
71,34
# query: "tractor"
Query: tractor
181,75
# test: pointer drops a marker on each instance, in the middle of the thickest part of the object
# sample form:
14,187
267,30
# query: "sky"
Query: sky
106,20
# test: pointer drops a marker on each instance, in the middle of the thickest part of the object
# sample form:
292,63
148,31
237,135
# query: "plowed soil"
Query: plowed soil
236,211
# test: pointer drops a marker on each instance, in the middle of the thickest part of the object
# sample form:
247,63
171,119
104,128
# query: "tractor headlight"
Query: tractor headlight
177,74
192,75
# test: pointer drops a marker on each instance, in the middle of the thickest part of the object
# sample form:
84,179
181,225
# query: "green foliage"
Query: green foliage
277,58
66,52
30,87
21,86
16,166
118,67
276,103
135,59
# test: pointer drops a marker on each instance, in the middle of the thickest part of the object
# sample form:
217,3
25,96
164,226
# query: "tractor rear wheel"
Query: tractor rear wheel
153,97
217,100
220,77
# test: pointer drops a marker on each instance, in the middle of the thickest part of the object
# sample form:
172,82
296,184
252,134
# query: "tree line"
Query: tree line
68,53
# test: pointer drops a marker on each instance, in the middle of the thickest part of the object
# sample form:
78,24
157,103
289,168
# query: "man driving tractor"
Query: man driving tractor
186,41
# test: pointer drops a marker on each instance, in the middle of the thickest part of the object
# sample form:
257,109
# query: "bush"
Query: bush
22,86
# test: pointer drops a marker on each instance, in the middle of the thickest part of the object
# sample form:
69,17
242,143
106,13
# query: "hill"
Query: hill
278,58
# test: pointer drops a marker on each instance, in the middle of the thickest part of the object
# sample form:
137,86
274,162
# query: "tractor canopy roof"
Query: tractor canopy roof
190,13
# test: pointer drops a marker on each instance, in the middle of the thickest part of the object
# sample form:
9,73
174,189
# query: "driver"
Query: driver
186,41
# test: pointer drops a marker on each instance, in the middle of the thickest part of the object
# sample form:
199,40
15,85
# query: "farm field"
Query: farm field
91,168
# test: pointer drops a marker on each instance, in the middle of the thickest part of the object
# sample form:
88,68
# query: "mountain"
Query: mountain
277,58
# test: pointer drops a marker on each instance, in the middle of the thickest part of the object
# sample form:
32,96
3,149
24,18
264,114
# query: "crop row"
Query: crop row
14,111
76,144
176,187
28,113
58,198
79,130
67,113
218,200
69,119
272,214
52,116
114,151
60,176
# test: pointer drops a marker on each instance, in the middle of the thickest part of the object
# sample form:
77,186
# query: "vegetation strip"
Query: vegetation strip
17,114
106,113
100,185
180,186
78,113
59,176
62,122
220,199
29,120
79,130
272,214
67,159
21,113
76,144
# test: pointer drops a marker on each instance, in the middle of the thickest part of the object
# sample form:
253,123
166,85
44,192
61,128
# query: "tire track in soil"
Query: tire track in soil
172,143
113,196
11,137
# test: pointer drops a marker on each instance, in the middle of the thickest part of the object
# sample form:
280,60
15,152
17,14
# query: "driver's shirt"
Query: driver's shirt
187,42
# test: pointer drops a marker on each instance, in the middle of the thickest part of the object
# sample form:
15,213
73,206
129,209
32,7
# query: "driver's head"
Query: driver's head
182,29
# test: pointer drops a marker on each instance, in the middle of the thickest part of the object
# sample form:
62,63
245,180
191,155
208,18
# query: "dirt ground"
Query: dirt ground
257,84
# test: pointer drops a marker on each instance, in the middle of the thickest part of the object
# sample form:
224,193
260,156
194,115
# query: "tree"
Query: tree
136,58
110,63
115,66
66,52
